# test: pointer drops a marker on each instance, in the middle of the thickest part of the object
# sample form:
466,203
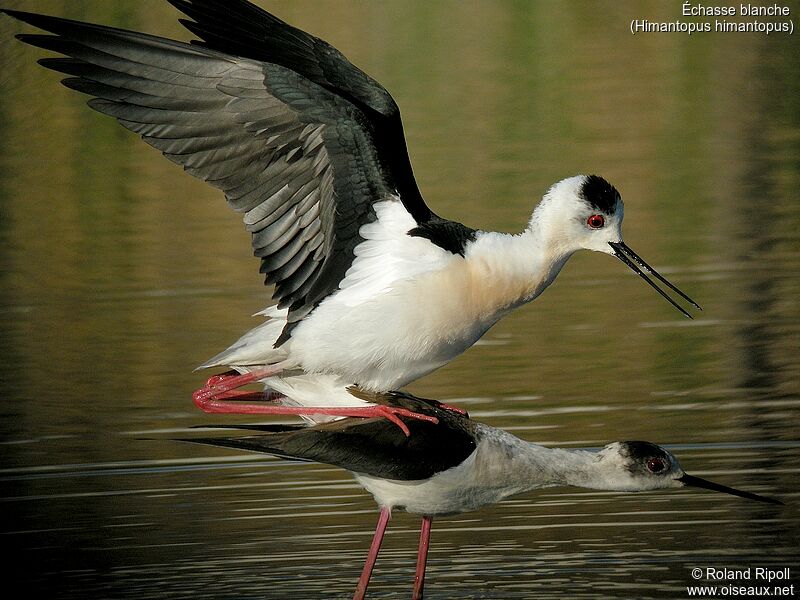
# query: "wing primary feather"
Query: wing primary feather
299,139
372,447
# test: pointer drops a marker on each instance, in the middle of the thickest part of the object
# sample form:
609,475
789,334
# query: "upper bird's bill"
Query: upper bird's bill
636,263
691,480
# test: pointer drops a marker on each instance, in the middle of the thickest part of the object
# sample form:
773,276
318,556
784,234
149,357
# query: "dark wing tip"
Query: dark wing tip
45,22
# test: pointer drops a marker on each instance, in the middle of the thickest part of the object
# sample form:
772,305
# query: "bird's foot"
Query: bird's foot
216,396
220,377
393,414
224,386
213,405
215,383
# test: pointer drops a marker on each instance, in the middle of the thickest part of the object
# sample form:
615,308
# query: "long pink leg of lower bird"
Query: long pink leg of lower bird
372,556
422,557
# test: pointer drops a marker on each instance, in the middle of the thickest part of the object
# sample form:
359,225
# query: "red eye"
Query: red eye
656,465
596,221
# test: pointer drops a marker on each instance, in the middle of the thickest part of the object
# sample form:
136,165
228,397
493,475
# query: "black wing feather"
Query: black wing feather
239,28
277,119
373,447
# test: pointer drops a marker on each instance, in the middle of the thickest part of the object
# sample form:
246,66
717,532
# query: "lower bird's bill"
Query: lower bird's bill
692,481
636,263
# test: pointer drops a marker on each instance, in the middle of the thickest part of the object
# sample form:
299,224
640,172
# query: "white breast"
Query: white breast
406,306
399,314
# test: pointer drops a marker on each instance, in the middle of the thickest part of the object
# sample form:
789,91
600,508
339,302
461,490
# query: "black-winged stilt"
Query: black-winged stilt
373,288
458,465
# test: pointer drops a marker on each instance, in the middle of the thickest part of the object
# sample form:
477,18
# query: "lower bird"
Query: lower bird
374,289
457,465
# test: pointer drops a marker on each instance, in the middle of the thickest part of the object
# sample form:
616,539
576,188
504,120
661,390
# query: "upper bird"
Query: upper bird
372,287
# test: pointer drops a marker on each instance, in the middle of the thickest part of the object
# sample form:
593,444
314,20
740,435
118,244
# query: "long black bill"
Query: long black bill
693,481
634,261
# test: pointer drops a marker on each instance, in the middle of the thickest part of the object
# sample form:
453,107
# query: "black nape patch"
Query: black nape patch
600,194
448,235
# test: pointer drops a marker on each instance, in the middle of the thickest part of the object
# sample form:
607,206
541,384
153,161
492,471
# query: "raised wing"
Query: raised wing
299,157
240,28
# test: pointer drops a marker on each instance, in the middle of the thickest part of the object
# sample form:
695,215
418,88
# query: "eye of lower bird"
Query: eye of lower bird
656,465
596,221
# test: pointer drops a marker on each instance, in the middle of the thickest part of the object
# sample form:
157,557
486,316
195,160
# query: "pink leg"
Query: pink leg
222,387
210,399
366,573
263,396
219,384
422,557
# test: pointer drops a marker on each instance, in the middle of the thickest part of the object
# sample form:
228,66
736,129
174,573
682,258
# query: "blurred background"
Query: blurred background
120,274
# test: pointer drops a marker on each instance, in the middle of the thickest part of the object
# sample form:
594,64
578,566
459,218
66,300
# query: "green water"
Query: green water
120,274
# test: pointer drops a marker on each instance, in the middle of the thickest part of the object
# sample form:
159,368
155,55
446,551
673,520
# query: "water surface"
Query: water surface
120,274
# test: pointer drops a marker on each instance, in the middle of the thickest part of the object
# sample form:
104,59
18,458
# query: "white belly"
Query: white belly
467,487
384,339
393,339
449,492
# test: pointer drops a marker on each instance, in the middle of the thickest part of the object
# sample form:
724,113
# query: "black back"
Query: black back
374,447
448,235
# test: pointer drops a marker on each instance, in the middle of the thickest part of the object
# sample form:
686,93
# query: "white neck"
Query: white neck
518,267
564,467
522,466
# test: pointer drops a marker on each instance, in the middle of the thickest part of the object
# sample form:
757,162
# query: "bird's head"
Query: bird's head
585,212
641,466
